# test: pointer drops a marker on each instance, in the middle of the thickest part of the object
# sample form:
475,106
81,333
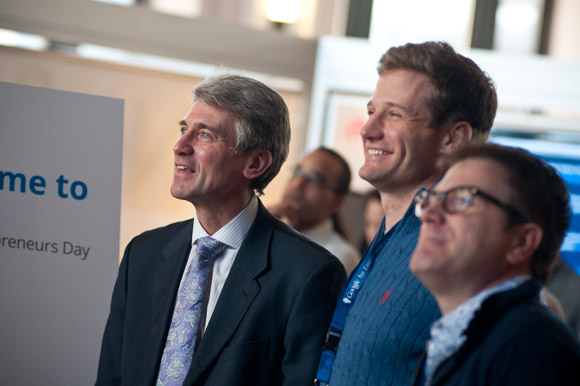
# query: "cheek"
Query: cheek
317,204
472,239
293,183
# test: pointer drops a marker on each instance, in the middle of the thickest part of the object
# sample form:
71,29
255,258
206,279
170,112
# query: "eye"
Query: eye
316,179
456,203
394,114
182,130
205,135
459,199
297,171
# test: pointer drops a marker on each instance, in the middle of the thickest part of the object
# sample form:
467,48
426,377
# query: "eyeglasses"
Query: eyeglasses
312,178
460,199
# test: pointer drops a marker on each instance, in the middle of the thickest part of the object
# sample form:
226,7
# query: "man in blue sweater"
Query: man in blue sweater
492,228
428,101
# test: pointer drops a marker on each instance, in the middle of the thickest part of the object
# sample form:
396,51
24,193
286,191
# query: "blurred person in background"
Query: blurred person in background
564,284
372,216
313,195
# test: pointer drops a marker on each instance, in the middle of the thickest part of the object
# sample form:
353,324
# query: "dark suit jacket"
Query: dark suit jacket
268,326
512,340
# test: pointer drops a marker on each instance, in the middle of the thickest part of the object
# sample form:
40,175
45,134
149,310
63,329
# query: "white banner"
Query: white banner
60,197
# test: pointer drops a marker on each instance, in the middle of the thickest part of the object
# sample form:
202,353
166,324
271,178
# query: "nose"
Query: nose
433,212
183,145
372,129
298,181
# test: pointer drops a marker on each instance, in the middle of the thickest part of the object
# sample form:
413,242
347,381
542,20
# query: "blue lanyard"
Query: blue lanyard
345,302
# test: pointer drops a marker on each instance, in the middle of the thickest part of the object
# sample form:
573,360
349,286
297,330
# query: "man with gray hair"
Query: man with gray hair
233,296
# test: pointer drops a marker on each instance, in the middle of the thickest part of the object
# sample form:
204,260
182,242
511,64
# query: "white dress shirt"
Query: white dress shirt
232,234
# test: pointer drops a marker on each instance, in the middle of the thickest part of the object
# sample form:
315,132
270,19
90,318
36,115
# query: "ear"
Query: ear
257,162
527,239
457,134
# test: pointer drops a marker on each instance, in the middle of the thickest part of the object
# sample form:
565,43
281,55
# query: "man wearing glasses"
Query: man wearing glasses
428,101
313,195
491,230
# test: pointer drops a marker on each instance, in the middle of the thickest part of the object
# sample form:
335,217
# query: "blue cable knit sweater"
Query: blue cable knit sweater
388,325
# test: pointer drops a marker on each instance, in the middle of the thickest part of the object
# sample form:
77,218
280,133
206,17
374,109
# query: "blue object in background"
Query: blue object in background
569,169
565,158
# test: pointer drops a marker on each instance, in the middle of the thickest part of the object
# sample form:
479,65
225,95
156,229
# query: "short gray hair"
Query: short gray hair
262,119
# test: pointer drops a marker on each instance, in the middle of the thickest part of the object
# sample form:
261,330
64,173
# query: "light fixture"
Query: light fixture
22,40
282,11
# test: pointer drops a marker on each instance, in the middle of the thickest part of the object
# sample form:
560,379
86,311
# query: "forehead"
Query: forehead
485,174
401,87
210,116
321,162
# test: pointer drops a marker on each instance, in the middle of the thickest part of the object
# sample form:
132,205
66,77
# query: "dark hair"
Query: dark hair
461,90
344,178
262,117
537,191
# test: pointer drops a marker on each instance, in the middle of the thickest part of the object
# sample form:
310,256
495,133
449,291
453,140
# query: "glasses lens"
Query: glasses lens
316,179
312,178
421,201
296,172
458,200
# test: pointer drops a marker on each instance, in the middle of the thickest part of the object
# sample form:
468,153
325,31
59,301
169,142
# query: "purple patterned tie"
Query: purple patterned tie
182,336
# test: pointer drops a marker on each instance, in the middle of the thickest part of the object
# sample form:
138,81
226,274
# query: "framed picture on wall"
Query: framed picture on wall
345,114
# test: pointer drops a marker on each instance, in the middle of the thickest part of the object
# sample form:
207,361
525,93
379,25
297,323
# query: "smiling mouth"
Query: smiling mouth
433,238
183,168
377,152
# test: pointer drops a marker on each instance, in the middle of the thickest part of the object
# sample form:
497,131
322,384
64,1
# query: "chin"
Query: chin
174,190
180,194
367,174
422,260
414,263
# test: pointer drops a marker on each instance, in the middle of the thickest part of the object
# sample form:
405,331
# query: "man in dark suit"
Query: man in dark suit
491,229
262,310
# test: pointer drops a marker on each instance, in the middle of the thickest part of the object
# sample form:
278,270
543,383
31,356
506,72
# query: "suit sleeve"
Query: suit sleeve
309,321
109,371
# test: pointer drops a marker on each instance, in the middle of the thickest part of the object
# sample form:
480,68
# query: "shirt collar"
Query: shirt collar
447,333
233,233
466,310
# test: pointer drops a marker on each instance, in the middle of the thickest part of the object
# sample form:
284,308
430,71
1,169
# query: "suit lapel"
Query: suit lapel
164,290
239,291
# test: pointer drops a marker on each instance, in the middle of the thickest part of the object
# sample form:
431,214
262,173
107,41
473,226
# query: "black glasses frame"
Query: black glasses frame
427,195
313,178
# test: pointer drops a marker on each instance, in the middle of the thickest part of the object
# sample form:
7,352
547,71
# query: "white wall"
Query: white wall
565,30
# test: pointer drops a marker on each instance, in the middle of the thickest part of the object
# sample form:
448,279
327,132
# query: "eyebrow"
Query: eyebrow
199,125
391,104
